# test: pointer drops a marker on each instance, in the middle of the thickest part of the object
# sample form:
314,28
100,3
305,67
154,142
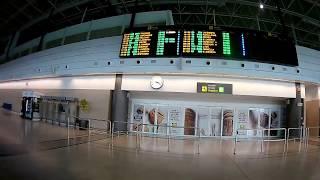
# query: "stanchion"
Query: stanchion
285,141
235,143
307,140
261,150
138,138
137,148
112,132
68,130
199,137
89,131
168,141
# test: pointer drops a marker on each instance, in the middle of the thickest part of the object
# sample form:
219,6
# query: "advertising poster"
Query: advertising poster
242,121
149,119
215,122
204,121
253,121
162,120
275,121
137,116
175,120
189,121
264,120
227,122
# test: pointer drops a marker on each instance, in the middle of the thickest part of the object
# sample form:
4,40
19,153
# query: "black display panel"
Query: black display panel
151,43
200,42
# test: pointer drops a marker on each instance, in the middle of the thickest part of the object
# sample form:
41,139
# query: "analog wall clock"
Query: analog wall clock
156,82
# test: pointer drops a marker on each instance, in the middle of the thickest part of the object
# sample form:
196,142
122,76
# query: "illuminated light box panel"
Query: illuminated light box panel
236,45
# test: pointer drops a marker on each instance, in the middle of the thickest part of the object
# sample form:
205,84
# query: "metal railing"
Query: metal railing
260,137
302,137
77,122
168,134
196,135
308,135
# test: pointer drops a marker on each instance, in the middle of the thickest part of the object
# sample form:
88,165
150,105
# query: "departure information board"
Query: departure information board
151,43
227,44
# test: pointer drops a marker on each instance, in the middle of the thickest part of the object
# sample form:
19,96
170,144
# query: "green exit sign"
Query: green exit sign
214,88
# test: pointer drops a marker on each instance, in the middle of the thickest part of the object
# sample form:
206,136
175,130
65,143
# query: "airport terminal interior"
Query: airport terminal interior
153,89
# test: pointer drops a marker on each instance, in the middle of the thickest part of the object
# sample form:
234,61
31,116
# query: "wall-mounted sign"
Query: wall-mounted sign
204,42
217,88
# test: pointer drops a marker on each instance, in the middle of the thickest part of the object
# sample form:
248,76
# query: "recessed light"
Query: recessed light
261,6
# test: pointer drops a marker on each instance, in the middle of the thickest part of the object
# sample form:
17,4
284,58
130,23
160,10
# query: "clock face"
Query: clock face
156,82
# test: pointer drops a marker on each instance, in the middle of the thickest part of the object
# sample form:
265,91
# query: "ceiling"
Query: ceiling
300,17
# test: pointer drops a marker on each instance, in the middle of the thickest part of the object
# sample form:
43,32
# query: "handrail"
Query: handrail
276,129
262,137
93,119
308,134
301,137
140,131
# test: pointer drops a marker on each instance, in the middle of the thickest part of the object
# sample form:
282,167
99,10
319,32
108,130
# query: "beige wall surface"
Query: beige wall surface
99,100
188,84
312,104
312,111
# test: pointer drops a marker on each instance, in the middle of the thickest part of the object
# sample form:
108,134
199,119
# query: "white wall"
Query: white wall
92,57
188,84
87,82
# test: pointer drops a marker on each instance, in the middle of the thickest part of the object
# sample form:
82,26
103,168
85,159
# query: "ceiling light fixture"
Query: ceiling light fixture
261,6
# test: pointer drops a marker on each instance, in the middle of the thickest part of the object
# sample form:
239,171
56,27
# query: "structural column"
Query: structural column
120,101
295,110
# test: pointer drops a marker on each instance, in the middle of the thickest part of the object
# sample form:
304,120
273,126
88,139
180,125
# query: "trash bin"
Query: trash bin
83,124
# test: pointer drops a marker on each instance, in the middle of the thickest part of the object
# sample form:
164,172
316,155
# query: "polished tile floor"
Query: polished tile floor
123,157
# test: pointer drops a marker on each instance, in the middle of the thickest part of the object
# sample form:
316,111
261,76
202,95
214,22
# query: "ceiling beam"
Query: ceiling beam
130,3
246,17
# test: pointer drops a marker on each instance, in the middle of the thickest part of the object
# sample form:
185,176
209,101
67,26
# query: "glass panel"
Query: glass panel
275,121
149,119
34,49
107,32
215,122
175,120
137,116
243,122
25,52
53,43
264,120
162,120
189,121
227,122
204,121
253,120
75,38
